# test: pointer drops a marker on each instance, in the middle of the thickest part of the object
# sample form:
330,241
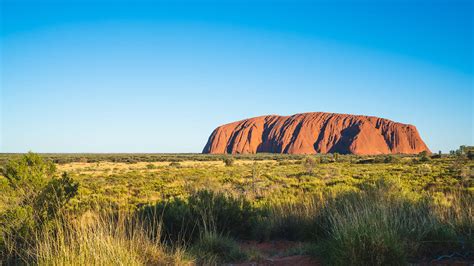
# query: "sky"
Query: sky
159,76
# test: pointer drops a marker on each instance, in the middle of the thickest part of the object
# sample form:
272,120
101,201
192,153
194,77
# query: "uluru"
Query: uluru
314,133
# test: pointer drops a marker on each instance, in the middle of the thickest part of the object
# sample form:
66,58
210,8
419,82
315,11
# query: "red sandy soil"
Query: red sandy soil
312,133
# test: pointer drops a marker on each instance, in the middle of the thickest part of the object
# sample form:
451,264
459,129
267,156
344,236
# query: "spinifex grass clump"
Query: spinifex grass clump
103,240
202,212
290,220
456,210
382,226
206,221
213,248
362,234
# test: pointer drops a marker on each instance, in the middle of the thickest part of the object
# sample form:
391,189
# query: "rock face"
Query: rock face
311,133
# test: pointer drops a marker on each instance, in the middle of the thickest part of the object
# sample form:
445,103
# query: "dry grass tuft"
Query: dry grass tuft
104,240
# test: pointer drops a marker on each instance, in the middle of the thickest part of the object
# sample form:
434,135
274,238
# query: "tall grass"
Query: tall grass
377,227
103,240
291,220
380,224
348,220
213,249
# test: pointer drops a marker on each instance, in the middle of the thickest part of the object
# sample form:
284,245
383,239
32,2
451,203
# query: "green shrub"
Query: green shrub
175,164
391,159
172,220
229,161
470,153
54,196
150,166
203,212
309,163
423,156
27,175
366,161
223,214
40,199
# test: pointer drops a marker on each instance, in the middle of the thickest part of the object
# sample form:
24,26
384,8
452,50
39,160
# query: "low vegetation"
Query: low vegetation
197,209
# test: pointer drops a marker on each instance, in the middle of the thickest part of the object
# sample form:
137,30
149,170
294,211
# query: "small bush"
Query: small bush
390,159
229,161
223,214
175,164
470,154
55,196
40,199
150,166
366,161
173,220
309,164
203,212
28,174
424,157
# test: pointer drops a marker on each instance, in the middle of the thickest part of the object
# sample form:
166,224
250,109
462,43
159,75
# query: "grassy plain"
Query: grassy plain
199,209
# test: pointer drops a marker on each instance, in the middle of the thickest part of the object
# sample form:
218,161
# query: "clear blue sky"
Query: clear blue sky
151,76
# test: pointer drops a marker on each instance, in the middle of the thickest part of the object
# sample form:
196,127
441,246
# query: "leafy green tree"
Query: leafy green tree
28,175
55,196
40,196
